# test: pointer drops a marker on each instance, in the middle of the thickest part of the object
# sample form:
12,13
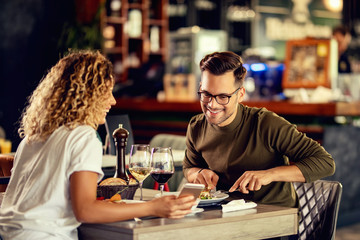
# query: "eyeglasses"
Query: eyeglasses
221,99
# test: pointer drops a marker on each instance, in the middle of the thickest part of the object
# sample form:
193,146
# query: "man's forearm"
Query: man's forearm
287,174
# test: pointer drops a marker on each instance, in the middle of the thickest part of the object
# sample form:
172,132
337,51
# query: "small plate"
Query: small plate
203,202
215,200
194,211
167,194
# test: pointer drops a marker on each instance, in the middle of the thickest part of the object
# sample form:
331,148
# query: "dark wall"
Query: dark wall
343,142
29,35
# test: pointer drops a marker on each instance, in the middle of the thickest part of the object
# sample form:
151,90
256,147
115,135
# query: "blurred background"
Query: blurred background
156,46
149,41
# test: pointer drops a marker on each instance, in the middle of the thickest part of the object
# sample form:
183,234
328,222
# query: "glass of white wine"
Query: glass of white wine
139,163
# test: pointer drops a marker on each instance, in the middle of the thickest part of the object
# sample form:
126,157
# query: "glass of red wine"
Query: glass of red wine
162,165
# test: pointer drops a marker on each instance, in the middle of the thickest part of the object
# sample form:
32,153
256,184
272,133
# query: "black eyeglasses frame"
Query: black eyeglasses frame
215,96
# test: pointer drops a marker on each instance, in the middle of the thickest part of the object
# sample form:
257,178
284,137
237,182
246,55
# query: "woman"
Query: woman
58,163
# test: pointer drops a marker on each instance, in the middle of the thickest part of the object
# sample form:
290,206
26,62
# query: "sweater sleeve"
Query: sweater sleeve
192,157
308,155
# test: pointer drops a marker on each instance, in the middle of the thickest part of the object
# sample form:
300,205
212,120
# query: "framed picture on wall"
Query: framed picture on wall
310,63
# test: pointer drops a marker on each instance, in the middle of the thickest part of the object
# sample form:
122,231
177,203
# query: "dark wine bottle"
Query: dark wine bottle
120,136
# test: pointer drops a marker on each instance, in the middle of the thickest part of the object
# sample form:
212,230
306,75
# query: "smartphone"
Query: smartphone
192,189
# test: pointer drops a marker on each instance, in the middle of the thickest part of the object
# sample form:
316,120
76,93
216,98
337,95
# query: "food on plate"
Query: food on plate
205,194
117,181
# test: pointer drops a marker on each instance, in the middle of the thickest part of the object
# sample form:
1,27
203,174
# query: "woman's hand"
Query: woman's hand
172,206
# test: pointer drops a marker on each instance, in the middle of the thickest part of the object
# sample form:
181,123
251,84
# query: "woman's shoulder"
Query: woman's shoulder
81,131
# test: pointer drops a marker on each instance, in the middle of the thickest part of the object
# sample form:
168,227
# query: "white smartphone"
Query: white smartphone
192,189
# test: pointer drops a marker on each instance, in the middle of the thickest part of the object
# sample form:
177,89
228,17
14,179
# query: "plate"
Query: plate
167,194
194,211
203,202
214,201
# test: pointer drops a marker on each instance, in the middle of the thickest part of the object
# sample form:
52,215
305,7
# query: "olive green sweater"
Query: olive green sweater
257,139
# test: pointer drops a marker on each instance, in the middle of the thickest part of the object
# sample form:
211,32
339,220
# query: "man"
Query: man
343,37
246,150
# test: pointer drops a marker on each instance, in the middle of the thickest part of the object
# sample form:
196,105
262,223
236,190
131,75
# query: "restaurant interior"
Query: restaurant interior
288,48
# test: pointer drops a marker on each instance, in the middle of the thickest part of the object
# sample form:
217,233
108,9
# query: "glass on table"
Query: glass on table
139,163
5,146
162,165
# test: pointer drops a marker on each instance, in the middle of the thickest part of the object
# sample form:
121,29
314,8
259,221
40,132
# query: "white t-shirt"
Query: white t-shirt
37,201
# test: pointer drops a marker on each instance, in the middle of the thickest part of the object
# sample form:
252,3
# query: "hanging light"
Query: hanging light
237,13
333,5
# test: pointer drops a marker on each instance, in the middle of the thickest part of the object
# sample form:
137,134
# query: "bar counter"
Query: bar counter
264,221
150,117
279,107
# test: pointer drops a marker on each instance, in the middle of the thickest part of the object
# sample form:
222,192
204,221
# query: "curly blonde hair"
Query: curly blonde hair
71,94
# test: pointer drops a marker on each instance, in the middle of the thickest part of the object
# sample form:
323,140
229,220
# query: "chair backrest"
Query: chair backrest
169,140
112,123
4,180
319,207
6,164
176,142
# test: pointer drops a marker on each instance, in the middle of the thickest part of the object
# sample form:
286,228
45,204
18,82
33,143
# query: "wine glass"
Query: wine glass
162,165
139,163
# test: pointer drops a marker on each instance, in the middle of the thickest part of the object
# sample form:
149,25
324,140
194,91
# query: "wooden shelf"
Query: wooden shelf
115,20
281,107
158,22
138,45
115,50
160,52
136,6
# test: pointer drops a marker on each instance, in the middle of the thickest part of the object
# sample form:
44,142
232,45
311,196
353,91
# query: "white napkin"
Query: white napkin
236,205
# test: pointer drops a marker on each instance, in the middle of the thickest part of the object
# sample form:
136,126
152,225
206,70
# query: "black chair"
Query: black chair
4,180
319,207
169,140
112,123
6,164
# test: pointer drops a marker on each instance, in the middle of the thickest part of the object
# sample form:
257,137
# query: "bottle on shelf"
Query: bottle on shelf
154,39
135,23
115,6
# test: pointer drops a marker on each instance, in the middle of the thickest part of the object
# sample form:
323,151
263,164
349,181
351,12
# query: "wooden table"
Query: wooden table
264,221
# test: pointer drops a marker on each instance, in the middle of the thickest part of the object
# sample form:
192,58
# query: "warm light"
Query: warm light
334,5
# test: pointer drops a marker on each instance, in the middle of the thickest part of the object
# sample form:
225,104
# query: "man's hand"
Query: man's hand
254,180
251,181
203,176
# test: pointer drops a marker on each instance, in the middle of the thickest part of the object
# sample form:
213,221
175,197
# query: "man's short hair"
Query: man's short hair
218,63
